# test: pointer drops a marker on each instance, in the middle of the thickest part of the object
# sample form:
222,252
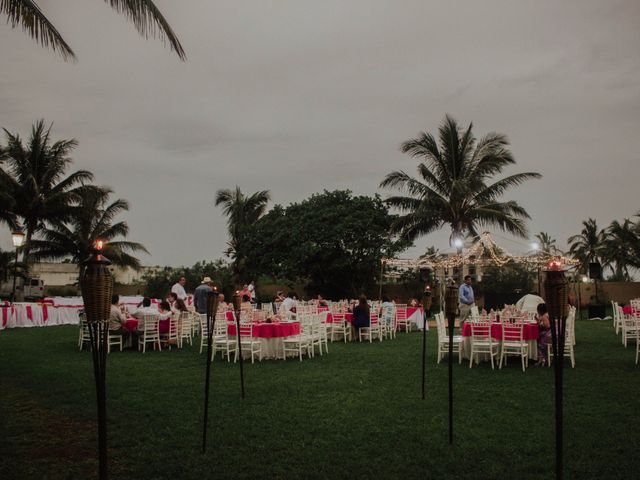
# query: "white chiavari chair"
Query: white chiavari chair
299,344
481,340
401,318
443,339
245,338
340,327
149,333
569,336
513,342
374,328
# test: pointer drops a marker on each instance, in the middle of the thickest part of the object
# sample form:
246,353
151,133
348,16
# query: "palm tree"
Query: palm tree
622,247
6,261
588,246
241,212
454,187
547,243
7,204
35,179
144,15
91,219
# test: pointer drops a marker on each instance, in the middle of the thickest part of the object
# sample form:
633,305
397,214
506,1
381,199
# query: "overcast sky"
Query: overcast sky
300,96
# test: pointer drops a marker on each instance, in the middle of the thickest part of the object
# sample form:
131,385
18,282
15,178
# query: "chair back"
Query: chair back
512,329
221,324
480,329
150,324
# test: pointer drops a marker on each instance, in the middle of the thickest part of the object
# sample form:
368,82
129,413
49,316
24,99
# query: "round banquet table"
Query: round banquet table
271,336
530,334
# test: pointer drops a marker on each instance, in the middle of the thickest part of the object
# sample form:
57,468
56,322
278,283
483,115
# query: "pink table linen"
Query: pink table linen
131,324
270,330
347,316
529,331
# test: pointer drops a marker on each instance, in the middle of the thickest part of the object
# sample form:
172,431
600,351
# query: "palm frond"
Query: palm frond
28,15
149,21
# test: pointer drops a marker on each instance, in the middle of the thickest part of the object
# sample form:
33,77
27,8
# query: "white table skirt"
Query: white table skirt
484,357
32,315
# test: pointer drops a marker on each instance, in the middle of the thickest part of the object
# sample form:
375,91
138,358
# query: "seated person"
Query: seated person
544,333
414,303
360,315
164,310
387,310
171,298
145,308
246,305
179,306
288,307
279,296
116,317
321,302
222,305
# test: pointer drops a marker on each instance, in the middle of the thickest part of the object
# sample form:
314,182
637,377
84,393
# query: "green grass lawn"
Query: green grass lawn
354,413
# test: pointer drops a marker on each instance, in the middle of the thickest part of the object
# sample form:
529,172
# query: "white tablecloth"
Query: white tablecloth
38,315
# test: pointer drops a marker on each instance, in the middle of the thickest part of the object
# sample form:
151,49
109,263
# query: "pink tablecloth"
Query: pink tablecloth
347,316
628,310
131,324
529,331
271,330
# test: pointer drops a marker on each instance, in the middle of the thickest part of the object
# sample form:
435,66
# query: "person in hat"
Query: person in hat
200,295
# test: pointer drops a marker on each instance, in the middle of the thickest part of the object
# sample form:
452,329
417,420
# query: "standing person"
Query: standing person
466,299
252,291
178,288
200,295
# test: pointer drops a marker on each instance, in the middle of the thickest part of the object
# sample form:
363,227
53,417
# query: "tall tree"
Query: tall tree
7,204
455,186
91,219
144,15
35,179
241,211
333,242
622,247
547,243
589,245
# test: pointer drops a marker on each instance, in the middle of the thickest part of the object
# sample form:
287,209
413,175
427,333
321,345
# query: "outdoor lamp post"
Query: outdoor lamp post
426,305
96,283
237,302
17,238
451,307
212,309
556,299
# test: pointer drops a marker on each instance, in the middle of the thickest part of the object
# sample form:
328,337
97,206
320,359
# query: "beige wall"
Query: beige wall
620,292
61,274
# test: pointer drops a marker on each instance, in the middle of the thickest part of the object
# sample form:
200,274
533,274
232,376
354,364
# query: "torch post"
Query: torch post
451,306
556,298
96,283
212,309
237,301
426,305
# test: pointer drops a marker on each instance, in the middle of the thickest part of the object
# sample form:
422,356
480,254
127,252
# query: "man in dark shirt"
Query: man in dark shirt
200,295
